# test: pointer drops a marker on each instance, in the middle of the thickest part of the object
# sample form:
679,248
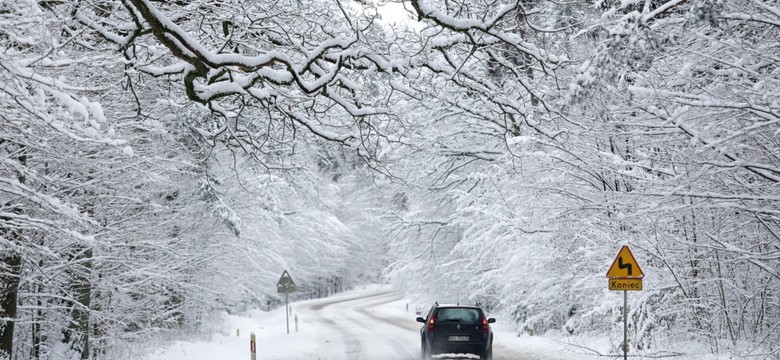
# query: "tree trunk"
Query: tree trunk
10,270
10,275
77,334
37,335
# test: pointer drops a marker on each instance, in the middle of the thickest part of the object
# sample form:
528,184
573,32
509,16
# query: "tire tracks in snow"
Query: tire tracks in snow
354,339
353,331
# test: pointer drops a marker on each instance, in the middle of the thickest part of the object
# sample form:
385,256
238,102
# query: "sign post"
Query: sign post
285,286
287,308
626,275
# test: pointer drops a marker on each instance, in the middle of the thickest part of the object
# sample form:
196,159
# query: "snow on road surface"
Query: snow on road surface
368,324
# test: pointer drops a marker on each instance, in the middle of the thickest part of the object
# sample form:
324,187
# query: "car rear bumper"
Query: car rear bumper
455,348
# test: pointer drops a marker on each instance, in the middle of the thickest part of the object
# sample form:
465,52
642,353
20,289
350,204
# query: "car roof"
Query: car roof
457,305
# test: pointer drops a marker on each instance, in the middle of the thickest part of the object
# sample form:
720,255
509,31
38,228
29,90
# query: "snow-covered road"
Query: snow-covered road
364,330
373,324
368,324
377,327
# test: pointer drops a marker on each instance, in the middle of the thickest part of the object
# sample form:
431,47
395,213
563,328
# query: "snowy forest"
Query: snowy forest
163,161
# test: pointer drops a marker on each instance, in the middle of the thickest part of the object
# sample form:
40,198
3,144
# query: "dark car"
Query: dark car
456,329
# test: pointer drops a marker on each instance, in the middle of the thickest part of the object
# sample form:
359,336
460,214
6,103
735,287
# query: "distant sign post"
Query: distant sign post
285,286
626,275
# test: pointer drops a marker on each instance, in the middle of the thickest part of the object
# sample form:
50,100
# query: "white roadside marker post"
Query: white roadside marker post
252,346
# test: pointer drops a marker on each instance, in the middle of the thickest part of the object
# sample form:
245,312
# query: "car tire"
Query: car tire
488,354
426,354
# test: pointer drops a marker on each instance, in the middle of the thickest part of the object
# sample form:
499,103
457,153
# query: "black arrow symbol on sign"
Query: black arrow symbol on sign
621,265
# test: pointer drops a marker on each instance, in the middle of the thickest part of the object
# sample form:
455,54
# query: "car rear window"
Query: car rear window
467,315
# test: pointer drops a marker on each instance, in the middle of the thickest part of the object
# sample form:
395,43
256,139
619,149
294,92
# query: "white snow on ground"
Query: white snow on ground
371,323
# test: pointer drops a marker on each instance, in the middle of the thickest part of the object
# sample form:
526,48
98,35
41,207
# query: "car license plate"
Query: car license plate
459,338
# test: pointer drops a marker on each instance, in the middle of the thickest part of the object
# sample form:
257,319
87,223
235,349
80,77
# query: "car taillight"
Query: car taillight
430,324
485,325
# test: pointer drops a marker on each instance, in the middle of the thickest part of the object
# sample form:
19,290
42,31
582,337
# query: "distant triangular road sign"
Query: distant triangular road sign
285,284
625,266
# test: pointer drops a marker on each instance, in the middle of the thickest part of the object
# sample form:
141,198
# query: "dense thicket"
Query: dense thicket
128,210
162,161
665,137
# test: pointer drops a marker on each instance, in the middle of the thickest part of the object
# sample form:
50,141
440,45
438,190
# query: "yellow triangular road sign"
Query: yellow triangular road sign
625,266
